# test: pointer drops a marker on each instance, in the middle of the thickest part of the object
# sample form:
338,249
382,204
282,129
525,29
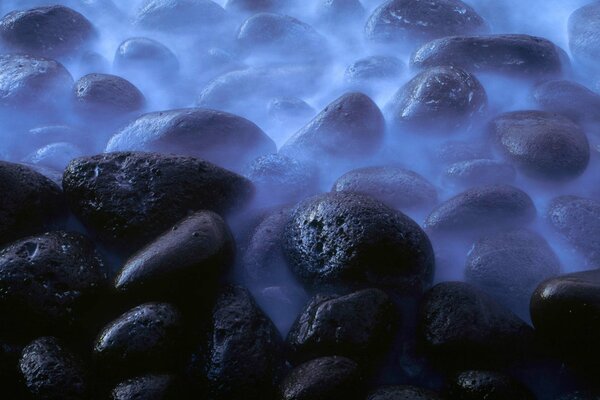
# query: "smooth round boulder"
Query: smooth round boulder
509,54
460,326
584,34
244,349
145,338
31,203
397,187
49,282
577,219
55,31
510,265
350,127
51,371
568,98
130,198
96,94
54,155
481,209
360,325
402,21
145,56
542,145
180,16
374,69
148,387
283,109
219,137
489,385
188,258
348,240
323,378
479,172
439,99
402,393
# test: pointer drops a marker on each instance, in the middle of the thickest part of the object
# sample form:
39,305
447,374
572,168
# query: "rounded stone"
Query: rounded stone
489,385
584,34
373,69
180,16
107,94
149,387
568,98
402,393
54,155
146,56
479,172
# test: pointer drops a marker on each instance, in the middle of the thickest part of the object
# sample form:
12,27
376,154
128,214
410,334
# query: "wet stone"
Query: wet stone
584,37
180,16
402,393
149,387
489,385
373,69
568,98
110,94
145,56
479,172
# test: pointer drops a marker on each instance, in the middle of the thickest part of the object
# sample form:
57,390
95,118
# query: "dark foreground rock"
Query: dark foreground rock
107,94
489,385
402,393
149,387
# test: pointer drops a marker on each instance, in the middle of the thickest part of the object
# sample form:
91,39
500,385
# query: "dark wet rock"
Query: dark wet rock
395,186
285,108
568,98
274,35
346,240
180,16
489,385
402,21
439,99
254,6
52,372
53,31
482,209
244,350
49,282
280,179
129,198
402,393
352,126
219,137
145,56
374,68
31,203
517,55
566,314
323,378
53,174
454,151
54,155
510,265
577,219
584,34
188,258
480,172
96,94
29,83
360,325
149,387
542,145
145,338
461,326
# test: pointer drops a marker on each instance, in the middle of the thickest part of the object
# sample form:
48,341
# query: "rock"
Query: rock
253,6
568,98
54,155
566,312
402,393
374,69
129,198
489,385
514,55
216,61
54,31
542,145
49,134
454,151
352,126
31,203
510,265
401,21
579,395
440,99
145,56
216,136
481,209
148,387
461,326
145,338
332,12
480,172
584,34
283,109
188,258
272,36
360,326
51,371
397,187
577,219
323,378
103,94
49,282
180,16
244,350
35,84
281,180
347,240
